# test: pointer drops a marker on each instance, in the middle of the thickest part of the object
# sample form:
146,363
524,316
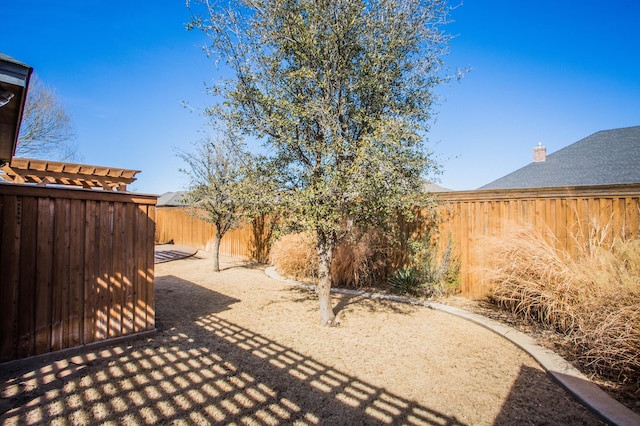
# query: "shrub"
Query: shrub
438,273
593,295
294,256
262,230
405,281
367,258
361,260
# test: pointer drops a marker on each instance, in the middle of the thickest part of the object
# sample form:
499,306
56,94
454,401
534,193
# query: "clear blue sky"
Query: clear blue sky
544,71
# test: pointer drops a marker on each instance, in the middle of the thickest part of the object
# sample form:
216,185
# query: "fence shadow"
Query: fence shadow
201,369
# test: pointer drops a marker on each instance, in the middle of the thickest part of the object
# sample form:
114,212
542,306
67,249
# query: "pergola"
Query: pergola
40,172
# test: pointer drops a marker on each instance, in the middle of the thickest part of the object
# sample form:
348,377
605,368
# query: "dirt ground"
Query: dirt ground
237,347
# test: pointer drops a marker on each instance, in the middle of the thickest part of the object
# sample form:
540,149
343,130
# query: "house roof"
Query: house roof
177,199
605,157
172,199
434,187
14,81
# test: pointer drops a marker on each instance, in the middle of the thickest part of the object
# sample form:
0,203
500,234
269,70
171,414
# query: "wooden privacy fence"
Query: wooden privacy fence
77,267
469,217
175,224
566,215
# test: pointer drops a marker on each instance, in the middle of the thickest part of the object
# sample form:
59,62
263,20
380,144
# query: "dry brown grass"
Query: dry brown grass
368,259
592,295
359,261
262,229
295,257
533,279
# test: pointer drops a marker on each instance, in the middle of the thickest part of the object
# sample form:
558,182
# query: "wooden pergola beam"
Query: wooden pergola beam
40,172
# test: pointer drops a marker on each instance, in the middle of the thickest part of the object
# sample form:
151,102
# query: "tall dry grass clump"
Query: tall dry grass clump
592,294
533,279
361,260
262,230
372,259
294,256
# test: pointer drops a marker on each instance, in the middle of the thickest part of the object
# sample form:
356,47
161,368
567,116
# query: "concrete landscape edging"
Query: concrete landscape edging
570,378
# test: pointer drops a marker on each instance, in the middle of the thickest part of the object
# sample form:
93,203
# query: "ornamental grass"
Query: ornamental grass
589,292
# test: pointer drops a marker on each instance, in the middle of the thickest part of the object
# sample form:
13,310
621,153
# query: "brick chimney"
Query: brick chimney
539,153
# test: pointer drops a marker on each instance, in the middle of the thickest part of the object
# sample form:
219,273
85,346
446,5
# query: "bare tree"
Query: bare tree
217,172
46,131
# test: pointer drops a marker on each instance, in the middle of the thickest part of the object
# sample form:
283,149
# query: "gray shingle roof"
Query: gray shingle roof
434,187
605,157
171,199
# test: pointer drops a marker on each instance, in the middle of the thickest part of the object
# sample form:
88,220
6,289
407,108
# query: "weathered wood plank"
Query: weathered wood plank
10,212
140,322
77,258
129,269
116,275
464,244
632,216
150,215
60,277
91,270
103,286
44,270
27,280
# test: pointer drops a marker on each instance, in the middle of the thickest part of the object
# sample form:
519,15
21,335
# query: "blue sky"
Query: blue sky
544,71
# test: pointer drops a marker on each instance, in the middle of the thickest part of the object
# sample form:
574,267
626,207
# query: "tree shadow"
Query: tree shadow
247,265
202,369
305,292
372,304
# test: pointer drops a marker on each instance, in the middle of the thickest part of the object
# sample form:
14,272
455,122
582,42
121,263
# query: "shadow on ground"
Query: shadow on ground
201,369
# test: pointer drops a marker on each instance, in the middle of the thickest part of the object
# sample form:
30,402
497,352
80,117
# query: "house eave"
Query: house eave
14,80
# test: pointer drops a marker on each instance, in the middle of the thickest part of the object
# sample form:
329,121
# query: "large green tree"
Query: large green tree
341,91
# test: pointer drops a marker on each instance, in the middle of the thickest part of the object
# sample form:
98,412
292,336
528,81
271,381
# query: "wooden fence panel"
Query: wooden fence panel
175,224
567,215
74,264
9,274
27,277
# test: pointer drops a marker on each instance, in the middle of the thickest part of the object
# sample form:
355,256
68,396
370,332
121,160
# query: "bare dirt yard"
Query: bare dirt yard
237,347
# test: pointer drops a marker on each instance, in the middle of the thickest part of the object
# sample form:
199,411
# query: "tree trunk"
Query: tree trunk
216,252
325,256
